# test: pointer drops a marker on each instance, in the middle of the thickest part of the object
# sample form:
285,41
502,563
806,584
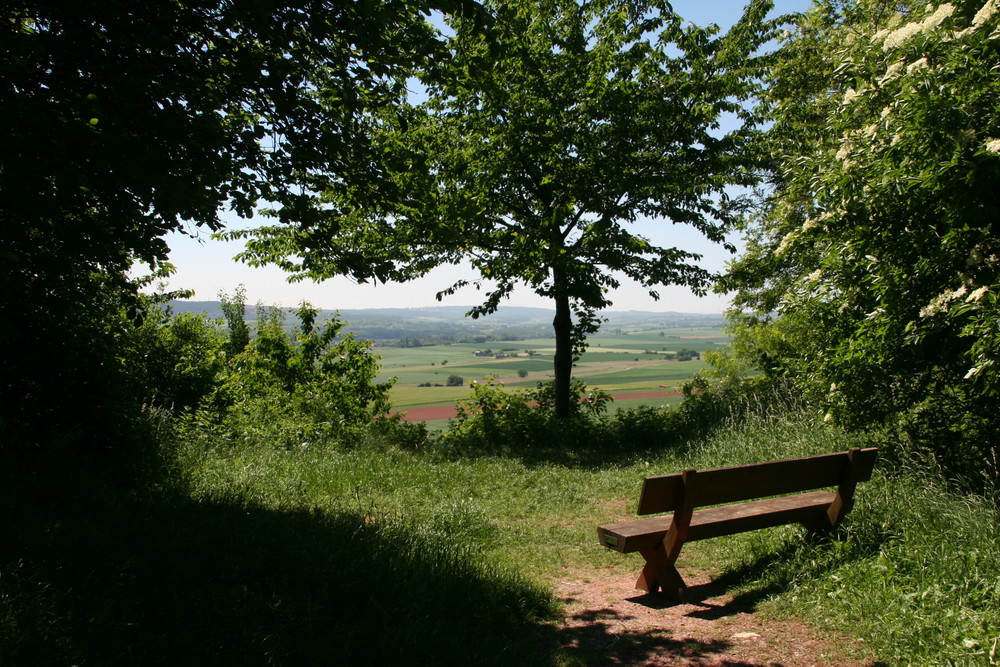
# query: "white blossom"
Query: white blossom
815,275
850,95
977,294
917,65
941,301
935,19
900,36
985,13
892,71
785,242
993,146
809,224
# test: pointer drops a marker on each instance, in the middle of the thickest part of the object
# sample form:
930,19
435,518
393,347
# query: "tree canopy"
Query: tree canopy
126,121
870,280
541,142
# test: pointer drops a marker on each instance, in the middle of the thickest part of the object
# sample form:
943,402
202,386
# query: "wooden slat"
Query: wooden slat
728,485
662,493
732,519
864,463
635,535
630,536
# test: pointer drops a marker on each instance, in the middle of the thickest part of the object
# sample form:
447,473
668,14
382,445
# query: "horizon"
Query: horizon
465,307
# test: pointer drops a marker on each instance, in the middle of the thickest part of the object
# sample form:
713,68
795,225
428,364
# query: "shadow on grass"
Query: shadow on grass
126,580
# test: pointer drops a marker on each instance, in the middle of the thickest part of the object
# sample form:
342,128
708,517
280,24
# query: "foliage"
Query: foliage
870,279
178,360
283,389
329,376
234,310
62,376
127,121
521,422
493,419
544,138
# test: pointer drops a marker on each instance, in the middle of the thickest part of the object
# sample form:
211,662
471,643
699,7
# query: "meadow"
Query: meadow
398,548
618,362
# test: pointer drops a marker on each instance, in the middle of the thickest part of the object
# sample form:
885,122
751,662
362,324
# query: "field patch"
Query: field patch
615,362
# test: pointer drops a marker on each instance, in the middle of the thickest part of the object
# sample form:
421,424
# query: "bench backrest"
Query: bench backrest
663,493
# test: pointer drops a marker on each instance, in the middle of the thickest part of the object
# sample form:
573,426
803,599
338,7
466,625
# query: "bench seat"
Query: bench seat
639,534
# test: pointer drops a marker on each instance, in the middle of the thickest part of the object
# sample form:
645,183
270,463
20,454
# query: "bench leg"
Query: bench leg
660,574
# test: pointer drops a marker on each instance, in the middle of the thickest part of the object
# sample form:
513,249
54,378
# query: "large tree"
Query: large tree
124,121
541,143
871,277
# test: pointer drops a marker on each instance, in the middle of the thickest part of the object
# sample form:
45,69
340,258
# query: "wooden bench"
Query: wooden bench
659,539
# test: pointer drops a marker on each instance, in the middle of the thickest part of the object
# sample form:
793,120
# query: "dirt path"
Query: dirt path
438,412
610,623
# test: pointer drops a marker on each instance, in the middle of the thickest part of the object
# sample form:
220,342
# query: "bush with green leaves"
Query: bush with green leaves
332,377
522,422
178,359
871,278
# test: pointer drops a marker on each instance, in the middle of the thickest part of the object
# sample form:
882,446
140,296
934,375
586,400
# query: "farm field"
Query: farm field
618,363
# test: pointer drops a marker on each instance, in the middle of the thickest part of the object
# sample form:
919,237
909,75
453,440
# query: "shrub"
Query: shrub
179,360
333,375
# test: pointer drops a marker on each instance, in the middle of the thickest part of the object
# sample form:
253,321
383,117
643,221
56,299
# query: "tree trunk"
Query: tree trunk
563,361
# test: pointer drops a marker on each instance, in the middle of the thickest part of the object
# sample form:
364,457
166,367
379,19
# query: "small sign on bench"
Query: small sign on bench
745,495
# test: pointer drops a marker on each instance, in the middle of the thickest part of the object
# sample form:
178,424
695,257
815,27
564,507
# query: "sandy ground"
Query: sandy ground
610,623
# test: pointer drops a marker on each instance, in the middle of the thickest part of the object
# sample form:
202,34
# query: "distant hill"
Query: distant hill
440,324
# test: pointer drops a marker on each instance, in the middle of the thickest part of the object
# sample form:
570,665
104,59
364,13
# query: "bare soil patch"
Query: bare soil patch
609,623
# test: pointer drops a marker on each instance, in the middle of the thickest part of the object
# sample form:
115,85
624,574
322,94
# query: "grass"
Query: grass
381,551
914,572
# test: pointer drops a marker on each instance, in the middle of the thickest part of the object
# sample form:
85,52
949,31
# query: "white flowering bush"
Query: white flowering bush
874,264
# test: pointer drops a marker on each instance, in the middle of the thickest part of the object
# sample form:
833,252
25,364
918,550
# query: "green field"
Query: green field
619,363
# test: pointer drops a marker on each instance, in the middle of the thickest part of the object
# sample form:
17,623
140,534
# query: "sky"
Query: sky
207,266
